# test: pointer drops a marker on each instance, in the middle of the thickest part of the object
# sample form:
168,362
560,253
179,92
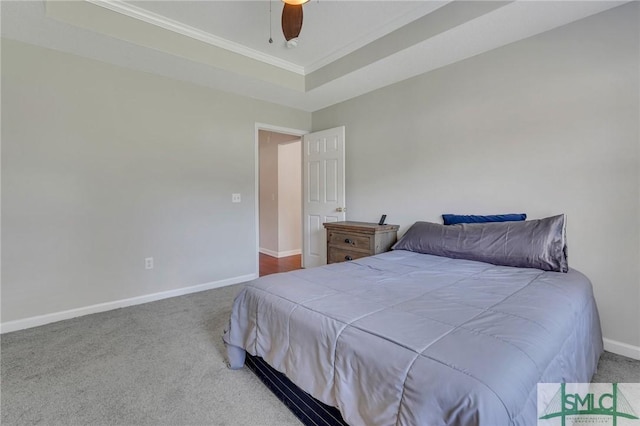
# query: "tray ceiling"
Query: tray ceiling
346,48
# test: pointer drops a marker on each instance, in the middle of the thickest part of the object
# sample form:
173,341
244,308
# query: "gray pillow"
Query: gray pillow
537,244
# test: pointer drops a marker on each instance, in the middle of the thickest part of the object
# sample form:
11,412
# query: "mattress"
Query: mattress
406,338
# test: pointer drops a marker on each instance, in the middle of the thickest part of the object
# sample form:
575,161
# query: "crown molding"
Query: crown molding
186,30
401,21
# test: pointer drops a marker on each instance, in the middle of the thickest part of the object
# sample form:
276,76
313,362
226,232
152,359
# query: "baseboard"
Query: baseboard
268,252
36,321
279,254
620,348
289,253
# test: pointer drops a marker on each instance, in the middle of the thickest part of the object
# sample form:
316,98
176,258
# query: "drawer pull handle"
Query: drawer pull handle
348,241
347,257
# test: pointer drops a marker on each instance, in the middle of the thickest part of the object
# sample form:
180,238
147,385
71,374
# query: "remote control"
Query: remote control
382,219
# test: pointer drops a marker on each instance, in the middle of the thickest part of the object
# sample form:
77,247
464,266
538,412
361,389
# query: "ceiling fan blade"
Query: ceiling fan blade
291,21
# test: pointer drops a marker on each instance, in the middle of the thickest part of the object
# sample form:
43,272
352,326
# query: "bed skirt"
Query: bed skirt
309,410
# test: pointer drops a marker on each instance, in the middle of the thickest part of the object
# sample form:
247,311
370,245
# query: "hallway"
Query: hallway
272,265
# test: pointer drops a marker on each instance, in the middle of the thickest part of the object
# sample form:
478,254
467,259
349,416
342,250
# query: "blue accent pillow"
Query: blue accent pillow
452,219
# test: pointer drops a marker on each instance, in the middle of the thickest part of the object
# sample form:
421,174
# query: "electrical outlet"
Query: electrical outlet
148,263
235,198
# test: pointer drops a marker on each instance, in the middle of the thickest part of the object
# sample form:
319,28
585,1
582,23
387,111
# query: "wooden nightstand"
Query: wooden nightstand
353,240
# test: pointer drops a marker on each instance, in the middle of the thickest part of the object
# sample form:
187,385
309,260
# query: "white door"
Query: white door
323,191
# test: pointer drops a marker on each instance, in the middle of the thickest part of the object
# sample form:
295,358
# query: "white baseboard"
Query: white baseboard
289,253
620,348
36,321
280,254
268,252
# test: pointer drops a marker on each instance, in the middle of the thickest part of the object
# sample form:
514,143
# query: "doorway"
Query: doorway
279,201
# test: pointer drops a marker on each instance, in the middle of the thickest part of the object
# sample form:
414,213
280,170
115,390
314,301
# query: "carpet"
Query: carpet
160,363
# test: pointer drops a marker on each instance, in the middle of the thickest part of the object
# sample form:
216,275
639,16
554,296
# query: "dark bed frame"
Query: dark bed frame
309,410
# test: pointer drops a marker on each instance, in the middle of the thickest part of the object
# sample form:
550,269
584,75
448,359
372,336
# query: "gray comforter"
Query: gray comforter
412,339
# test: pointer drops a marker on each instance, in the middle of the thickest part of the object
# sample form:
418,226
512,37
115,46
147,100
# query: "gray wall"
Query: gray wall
544,126
104,166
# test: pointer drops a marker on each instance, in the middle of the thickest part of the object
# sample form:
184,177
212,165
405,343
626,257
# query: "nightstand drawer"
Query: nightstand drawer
349,241
336,255
354,240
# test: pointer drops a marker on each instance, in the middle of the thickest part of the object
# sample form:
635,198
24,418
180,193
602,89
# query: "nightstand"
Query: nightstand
353,240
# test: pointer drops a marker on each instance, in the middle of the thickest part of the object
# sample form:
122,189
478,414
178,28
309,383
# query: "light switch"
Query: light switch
235,198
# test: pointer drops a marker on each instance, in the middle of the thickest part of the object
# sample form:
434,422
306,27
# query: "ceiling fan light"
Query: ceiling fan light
295,2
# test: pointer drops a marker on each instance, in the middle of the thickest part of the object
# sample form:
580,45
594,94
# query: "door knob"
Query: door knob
341,209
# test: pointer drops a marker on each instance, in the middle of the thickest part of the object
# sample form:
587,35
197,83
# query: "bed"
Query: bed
406,338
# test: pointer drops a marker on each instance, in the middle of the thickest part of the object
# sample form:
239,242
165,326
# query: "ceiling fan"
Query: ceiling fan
292,21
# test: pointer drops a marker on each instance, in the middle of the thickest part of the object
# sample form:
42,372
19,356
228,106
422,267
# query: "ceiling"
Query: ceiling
346,48
330,29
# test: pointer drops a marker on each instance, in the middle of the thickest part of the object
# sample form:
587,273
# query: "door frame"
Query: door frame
256,185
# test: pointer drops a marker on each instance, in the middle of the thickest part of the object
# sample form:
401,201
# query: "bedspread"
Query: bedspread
411,339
